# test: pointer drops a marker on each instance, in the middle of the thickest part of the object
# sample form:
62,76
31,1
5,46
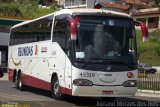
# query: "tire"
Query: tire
14,75
19,83
55,89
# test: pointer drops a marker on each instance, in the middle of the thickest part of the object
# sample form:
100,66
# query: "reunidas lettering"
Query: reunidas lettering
25,51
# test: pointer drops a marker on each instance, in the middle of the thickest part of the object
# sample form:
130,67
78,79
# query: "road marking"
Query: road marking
8,97
15,97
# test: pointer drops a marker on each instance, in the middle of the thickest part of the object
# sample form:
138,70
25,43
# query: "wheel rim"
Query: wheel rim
20,83
56,88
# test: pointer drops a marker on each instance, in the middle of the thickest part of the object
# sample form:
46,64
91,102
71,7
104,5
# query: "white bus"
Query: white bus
78,52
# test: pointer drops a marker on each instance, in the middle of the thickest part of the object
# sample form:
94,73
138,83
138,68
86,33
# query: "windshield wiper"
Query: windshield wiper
119,62
89,60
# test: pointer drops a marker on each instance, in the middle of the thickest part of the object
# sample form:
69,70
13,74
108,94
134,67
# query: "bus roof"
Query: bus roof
89,10
72,11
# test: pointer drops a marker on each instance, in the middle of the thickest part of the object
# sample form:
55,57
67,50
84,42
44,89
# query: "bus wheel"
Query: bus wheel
55,89
19,84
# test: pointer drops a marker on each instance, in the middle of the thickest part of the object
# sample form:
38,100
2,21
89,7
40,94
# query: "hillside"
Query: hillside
26,8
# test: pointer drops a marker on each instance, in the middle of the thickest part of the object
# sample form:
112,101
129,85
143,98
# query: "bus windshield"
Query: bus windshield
102,39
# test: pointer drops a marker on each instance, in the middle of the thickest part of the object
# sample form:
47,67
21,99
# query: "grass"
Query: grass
150,50
42,12
25,9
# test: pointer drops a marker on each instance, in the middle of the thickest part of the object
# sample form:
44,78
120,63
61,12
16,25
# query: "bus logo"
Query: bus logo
25,51
108,68
36,50
111,22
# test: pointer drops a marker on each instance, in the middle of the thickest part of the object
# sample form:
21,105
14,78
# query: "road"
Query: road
32,97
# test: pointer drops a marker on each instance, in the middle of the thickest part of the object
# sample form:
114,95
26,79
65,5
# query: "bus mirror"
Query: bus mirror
73,27
144,30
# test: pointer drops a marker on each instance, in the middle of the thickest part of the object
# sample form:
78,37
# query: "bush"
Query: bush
150,50
24,8
10,9
156,34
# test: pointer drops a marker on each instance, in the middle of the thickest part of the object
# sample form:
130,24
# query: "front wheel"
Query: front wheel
55,89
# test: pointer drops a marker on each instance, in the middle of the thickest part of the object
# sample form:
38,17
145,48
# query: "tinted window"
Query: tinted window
39,30
61,32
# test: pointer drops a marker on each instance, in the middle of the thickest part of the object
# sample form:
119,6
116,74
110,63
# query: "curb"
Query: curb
148,93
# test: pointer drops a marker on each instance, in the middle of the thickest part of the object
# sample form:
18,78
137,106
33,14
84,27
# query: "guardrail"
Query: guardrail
149,81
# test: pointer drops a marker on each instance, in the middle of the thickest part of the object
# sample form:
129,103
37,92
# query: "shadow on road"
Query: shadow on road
87,101
118,102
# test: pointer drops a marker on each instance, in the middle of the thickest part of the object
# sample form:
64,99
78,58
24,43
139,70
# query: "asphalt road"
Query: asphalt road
32,97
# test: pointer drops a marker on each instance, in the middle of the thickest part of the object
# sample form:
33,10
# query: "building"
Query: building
141,10
83,3
151,17
126,6
5,24
112,6
60,2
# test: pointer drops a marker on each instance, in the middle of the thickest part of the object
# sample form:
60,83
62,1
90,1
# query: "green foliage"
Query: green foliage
9,9
157,50
6,1
24,8
42,12
150,50
156,34
157,3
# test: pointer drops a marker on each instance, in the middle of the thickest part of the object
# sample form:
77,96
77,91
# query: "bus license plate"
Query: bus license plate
108,92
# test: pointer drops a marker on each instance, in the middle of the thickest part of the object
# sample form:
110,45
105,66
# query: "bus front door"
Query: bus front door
68,77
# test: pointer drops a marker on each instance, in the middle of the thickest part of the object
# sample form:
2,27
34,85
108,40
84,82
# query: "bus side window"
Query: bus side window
61,33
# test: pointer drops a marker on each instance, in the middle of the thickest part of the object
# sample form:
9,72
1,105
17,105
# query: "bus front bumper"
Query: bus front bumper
104,91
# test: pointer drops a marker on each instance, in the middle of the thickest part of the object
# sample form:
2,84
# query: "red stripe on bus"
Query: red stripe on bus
65,90
38,83
10,74
35,82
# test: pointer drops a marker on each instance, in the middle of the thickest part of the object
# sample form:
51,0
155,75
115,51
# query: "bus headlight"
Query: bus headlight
130,83
82,82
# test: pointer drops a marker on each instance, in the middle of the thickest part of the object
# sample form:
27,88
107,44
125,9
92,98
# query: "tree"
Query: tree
48,2
157,3
6,1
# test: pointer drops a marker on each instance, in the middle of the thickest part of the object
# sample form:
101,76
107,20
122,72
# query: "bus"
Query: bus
77,52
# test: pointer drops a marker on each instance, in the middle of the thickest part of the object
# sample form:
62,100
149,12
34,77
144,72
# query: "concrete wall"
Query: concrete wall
89,3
